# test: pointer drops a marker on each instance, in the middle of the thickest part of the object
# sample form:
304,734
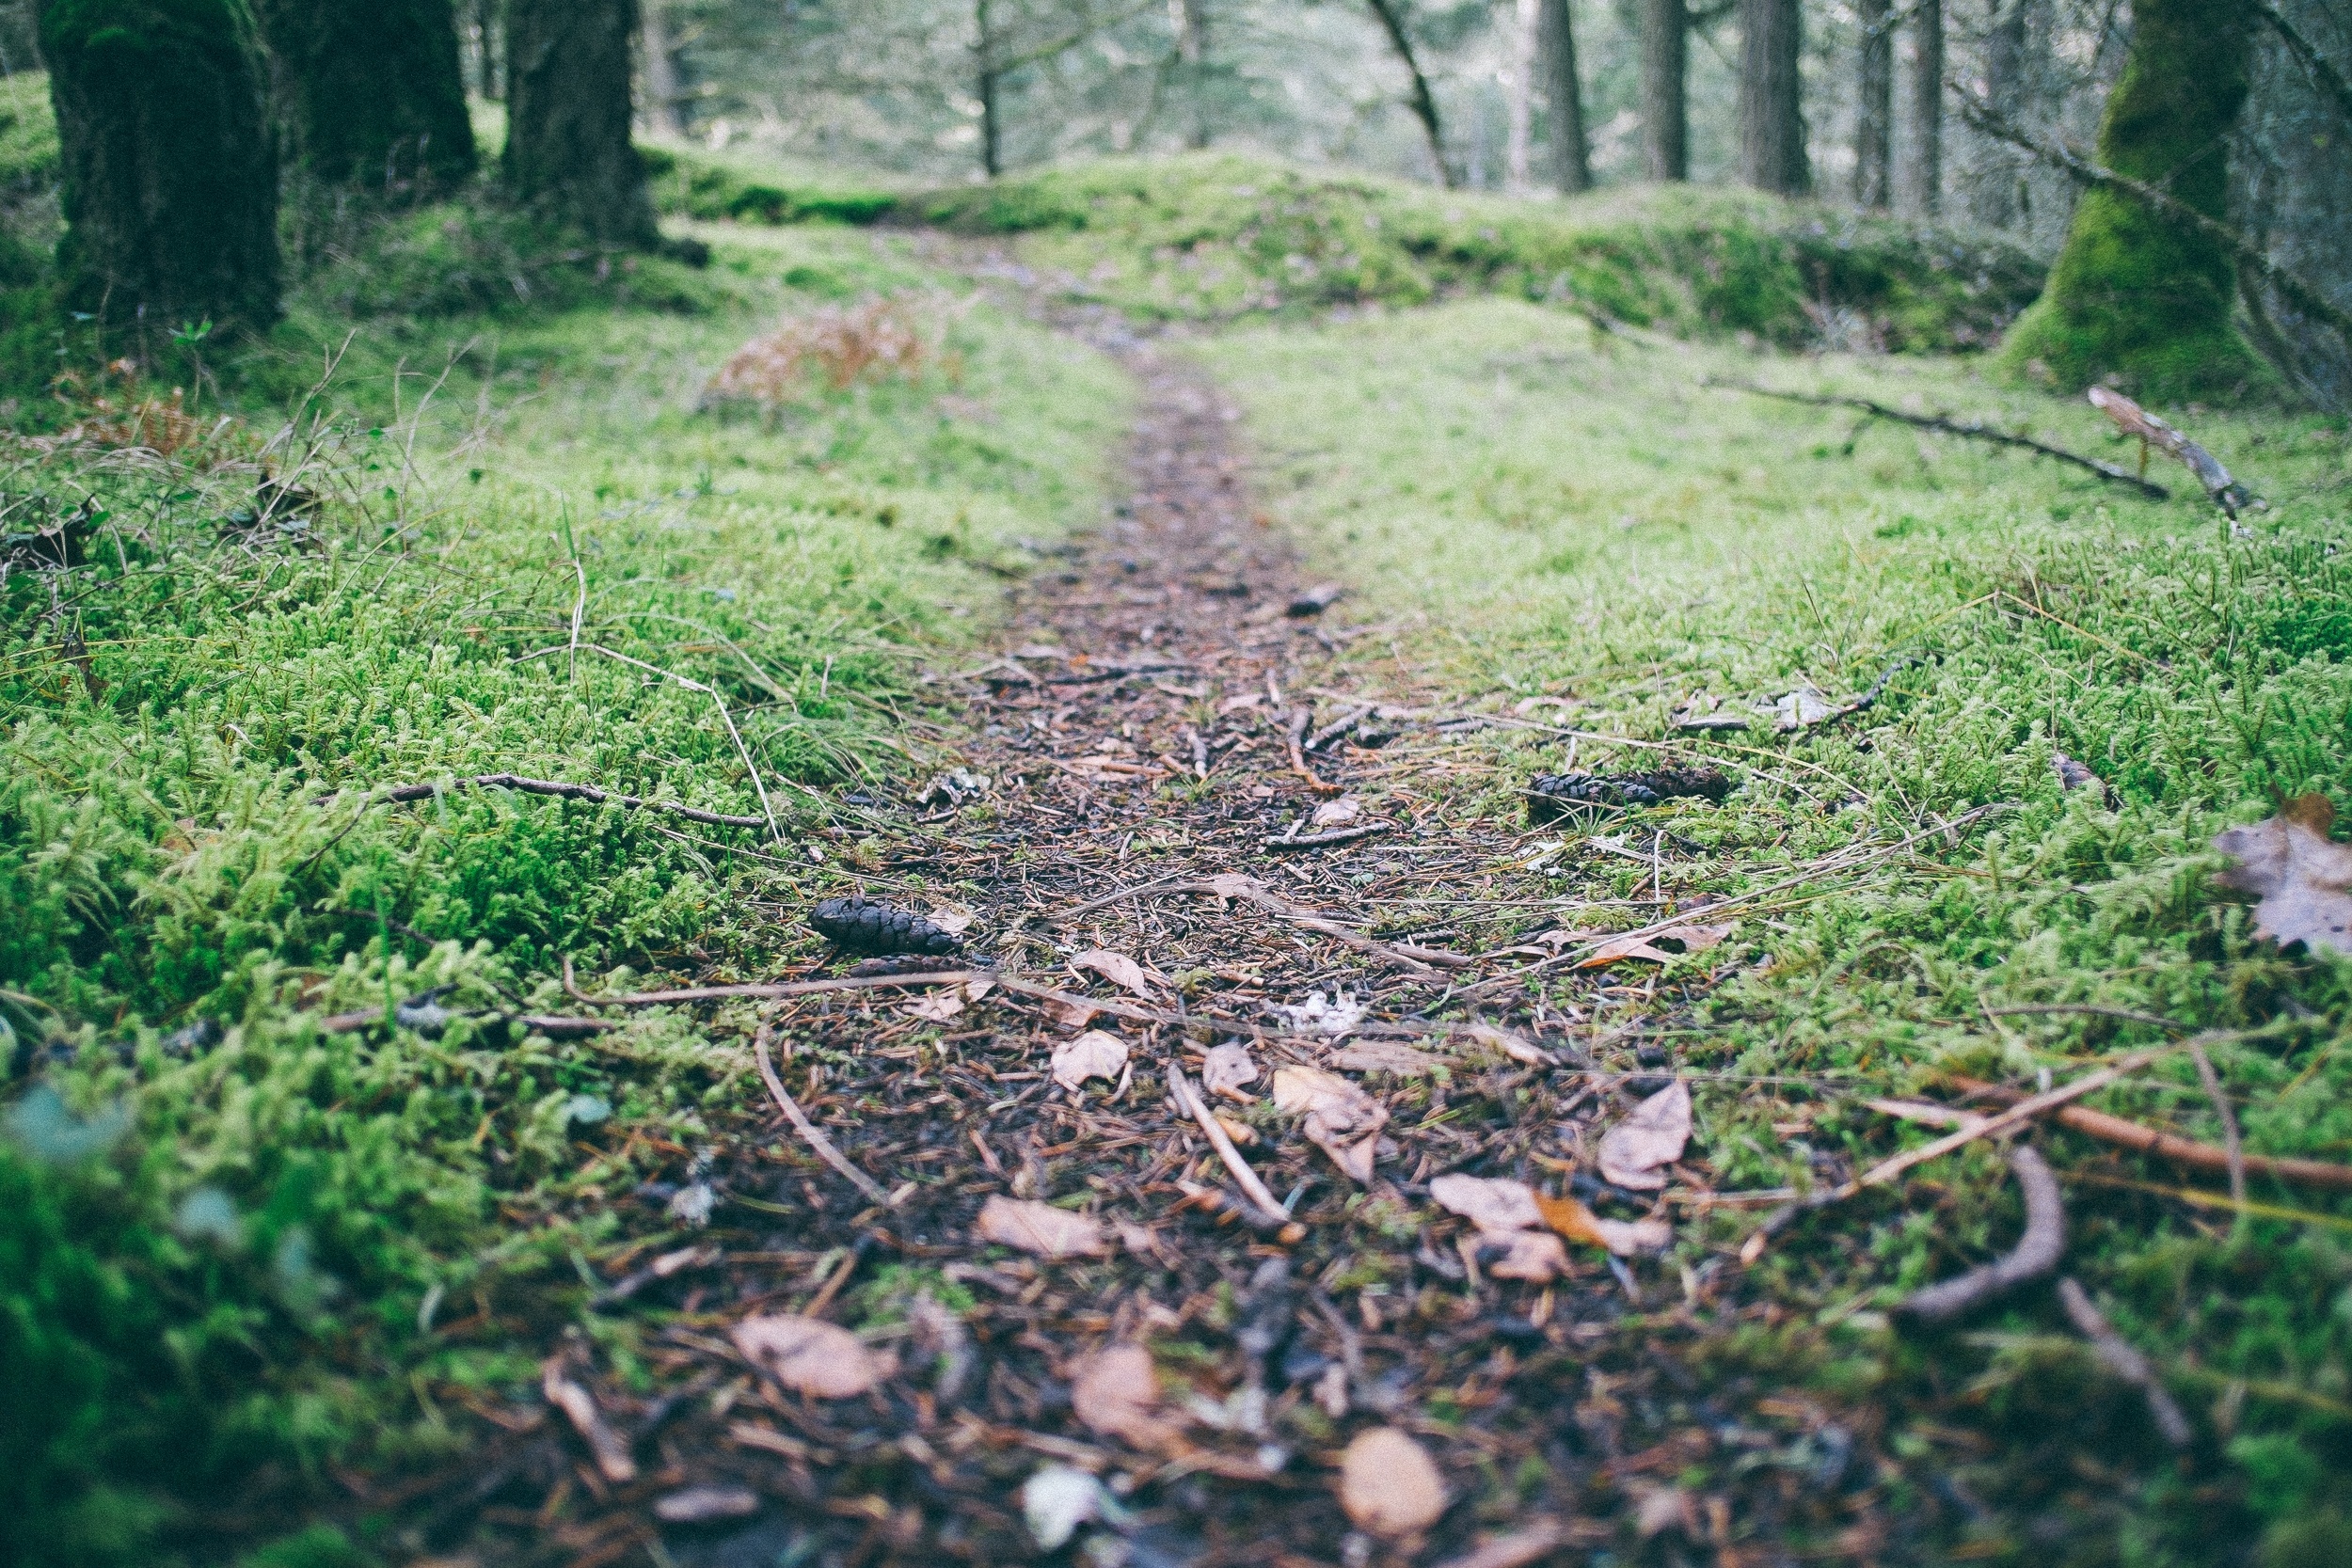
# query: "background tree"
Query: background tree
567,91
372,89
1923,193
661,83
1390,15
1874,105
170,170
1665,42
1571,153
1771,97
2136,294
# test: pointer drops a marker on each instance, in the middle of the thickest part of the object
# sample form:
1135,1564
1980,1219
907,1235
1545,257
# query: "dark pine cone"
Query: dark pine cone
864,926
1551,795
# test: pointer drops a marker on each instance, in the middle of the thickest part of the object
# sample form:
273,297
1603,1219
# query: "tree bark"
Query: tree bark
567,89
1424,103
661,88
170,170
1519,98
1665,39
1874,107
1771,97
990,79
1192,48
486,21
2136,292
1994,197
1571,153
373,90
1924,192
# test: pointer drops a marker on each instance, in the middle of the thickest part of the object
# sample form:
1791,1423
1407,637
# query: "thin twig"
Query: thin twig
1325,840
401,794
2185,1153
2230,1146
613,1461
810,1133
1269,1206
2036,1254
2086,1009
2119,1357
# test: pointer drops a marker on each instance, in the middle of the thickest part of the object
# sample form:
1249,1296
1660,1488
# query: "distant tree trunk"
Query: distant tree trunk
1424,103
1192,48
1924,197
567,87
661,89
1874,107
1519,98
170,171
1771,97
992,130
485,23
1665,29
2135,294
374,90
1992,198
1571,154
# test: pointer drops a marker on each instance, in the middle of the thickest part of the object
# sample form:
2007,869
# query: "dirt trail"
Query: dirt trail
1143,729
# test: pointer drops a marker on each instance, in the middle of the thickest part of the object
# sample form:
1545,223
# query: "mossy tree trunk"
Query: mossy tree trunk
1924,170
2134,295
1771,97
373,90
1665,39
1571,153
170,173
567,104
1874,105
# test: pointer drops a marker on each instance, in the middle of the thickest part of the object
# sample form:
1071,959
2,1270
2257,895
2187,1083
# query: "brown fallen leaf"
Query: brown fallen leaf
1535,1256
1634,1152
2301,875
1228,1068
1116,1392
1497,1207
1389,1485
1338,1117
1802,709
1333,814
1074,1013
1040,1228
811,1356
1096,1053
1693,938
1118,969
1569,1218
1529,1543
938,1007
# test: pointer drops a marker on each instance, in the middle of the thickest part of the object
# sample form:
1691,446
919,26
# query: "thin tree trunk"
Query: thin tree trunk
1519,98
1424,103
169,172
567,147
1874,107
1571,154
1993,200
1771,97
1924,187
1665,29
988,80
374,90
662,89
485,23
1192,48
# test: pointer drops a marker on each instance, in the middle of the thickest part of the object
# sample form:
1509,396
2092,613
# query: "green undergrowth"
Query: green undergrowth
432,542
1219,237
690,182
1572,525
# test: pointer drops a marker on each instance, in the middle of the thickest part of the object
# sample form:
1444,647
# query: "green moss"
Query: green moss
2134,295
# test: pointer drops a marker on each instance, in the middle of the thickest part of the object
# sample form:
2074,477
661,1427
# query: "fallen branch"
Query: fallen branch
1294,733
2313,61
2132,420
810,1133
515,782
1325,840
554,1026
2124,1362
775,990
2184,1153
2036,1254
1270,1208
1974,429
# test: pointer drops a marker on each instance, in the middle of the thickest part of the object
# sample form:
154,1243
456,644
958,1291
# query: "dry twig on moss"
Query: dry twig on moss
2036,1254
810,1133
2124,1362
401,794
2132,420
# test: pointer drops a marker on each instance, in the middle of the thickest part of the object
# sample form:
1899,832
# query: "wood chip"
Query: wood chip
1633,1153
810,1356
1040,1228
1389,1485
578,1407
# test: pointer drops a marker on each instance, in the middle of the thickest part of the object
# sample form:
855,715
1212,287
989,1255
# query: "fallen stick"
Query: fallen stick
1976,430
1296,732
2119,1357
2232,1146
401,794
2185,1153
2036,1254
774,990
613,1461
810,1133
1181,1087
2132,420
1325,840
551,1025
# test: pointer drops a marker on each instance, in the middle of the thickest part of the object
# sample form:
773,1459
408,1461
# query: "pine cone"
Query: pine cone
863,925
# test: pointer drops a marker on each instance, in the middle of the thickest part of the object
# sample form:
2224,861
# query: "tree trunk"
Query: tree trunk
373,90
1665,29
1771,97
169,172
1519,98
485,23
1571,154
1924,192
1874,107
1424,103
662,89
1192,48
2134,293
992,128
1992,195
567,89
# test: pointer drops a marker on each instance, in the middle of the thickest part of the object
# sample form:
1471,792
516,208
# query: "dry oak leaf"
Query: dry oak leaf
1228,1068
1333,814
1096,1053
1042,1229
1338,1117
1695,939
811,1356
1496,1207
1535,1256
1389,1485
1116,1392
1567,1217
2302,875
1633,1153
938,1007
1118,969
